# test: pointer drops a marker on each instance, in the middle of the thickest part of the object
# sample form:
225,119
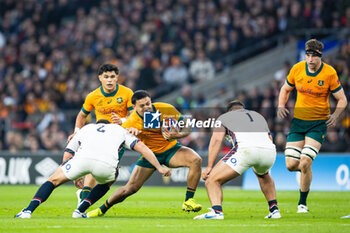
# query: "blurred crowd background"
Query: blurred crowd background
50,51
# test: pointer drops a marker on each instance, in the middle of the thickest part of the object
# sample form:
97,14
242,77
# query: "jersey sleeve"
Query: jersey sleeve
88,104
130,140
290,78
128,123
73,145
334,85
129,103
170,111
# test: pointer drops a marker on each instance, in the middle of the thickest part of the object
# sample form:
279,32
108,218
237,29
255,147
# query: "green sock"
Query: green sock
86,191
189,193
303,196
105,207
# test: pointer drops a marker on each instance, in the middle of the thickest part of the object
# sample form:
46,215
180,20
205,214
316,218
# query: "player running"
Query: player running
252,147
94,149
112,102
314,80
167,150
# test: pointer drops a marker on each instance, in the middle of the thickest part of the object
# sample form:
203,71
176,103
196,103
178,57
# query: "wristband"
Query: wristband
76,129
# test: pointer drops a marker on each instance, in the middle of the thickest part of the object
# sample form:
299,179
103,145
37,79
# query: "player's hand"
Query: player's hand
171,135
206,172
79,183
164,171
70,137
116,119
282,112
332,121
133,131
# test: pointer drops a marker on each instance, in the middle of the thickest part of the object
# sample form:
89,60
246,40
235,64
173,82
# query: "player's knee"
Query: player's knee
197,161
304,167
292,154
292,166
212,180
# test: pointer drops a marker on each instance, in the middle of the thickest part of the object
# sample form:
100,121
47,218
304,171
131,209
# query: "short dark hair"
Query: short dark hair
108,67
314,44
234,103
140,94
103,121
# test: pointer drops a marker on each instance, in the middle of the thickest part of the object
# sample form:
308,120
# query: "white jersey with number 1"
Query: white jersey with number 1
246,128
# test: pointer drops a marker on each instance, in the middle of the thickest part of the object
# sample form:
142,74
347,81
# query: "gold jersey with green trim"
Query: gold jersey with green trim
153,138
118,102
313,90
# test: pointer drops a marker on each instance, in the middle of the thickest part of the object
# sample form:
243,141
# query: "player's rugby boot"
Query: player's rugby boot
191,205
95,213
302,209
24,214
78,214
274,214
210,215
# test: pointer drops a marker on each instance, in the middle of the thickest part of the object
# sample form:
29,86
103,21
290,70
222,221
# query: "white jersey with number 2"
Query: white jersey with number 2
101,142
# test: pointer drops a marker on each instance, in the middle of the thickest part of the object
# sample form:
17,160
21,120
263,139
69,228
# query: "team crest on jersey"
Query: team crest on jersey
320,82
119,100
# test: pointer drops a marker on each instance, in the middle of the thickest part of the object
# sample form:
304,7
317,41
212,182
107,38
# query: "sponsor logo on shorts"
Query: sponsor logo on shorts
233,161
68,166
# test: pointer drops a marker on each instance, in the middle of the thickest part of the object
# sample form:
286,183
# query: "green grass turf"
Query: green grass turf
158,209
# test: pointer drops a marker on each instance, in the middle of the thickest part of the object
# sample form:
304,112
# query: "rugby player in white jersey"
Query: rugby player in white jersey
93,150
252,147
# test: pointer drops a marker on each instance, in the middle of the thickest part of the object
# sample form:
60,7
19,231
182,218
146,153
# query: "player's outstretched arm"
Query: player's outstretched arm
149,155
79,123
214,148
285,91
341,105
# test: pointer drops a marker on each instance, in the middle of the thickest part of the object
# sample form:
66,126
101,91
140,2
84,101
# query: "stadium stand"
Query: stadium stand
50,52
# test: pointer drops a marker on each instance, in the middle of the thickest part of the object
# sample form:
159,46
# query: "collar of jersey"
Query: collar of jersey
313,74
154,109
109,94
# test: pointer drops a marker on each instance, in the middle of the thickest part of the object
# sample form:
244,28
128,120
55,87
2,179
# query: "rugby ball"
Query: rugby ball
170,125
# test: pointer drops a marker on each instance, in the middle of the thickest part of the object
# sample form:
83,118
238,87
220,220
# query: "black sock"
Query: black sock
189,193
105,207
303,197
41,195
272,205
96,193
85,192
217,209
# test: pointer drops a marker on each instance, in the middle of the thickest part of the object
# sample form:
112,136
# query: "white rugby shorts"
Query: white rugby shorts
261,159
101,171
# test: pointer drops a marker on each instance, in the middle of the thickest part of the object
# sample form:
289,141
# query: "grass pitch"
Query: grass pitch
158,209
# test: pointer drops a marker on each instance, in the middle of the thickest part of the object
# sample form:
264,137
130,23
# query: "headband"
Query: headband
313,52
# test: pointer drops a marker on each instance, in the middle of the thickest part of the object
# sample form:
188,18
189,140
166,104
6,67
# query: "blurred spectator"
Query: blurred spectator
175,75
202,68
333,143
186,100
281,74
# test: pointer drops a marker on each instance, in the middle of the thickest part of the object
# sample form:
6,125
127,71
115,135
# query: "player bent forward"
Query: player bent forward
252,147
100,139
165,146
